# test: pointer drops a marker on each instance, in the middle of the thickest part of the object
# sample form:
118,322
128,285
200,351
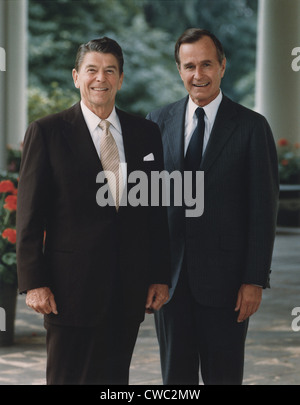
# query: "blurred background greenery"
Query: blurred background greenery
147,31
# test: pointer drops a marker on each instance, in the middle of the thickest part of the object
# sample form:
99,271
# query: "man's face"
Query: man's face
98,80
200,70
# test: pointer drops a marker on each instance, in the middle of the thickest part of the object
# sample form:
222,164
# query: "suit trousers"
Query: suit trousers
193,337
98,355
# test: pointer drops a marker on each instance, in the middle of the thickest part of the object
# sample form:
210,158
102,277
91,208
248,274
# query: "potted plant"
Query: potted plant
288,161
8,262
289,177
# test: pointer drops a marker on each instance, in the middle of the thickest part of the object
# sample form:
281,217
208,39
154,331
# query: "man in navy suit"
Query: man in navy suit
221,259
101,265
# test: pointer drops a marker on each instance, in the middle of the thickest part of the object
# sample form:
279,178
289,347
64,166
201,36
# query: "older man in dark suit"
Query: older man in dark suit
221,259
103,264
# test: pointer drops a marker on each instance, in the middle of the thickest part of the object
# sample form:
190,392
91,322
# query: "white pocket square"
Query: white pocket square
149,157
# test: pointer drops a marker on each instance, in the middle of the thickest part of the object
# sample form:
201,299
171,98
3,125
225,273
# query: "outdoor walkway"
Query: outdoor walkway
272,350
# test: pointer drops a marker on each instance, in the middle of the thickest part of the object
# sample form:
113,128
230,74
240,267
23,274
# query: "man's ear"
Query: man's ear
121,81
75,78
223,66
179,71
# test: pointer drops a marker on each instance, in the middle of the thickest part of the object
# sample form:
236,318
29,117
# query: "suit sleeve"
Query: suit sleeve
33,198
263,204
159,229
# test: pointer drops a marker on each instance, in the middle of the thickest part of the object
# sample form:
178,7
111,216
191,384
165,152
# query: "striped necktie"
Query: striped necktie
110,161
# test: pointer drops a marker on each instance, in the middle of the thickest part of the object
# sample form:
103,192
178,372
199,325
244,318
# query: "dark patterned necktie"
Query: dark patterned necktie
194,152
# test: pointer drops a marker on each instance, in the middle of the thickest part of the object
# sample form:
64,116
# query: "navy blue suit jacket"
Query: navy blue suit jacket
232,242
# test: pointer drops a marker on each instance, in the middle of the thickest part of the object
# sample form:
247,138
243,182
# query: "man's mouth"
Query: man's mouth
99,88
201,84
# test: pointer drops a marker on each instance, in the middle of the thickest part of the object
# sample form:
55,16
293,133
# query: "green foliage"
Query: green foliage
288,161
13,160
57,28
234,22
151,78
147,31
42,103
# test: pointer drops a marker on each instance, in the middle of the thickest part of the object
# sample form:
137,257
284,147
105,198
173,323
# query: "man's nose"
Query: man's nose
198,73
100,76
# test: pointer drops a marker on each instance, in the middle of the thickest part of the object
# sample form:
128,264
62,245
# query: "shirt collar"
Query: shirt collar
210,109
92,120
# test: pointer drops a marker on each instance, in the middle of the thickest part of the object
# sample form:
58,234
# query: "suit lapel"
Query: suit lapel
81,144
174,134
173,139
131,141
79,139
222,130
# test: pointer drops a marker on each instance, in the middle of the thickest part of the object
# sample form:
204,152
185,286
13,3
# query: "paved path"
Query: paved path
272,350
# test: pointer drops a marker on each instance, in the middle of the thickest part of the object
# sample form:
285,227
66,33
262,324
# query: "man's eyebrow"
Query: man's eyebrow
111,67
188,64
106,67
192,63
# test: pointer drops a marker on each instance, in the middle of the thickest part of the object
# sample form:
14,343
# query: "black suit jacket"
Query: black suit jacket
232,242
89,250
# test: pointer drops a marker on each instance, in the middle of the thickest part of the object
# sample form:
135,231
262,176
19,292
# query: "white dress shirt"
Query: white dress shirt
191,119
93,121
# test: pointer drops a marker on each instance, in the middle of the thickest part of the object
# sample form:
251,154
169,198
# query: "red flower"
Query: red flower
10,234
284,162
282,142
7,186
11,203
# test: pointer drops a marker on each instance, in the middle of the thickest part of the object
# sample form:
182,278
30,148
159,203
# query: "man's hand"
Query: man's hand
158,294
248,301
41,300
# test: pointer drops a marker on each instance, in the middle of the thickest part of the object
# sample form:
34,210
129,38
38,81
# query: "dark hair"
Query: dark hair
104,45
193,35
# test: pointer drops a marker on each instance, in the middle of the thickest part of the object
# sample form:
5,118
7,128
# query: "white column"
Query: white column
277,84
13,82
